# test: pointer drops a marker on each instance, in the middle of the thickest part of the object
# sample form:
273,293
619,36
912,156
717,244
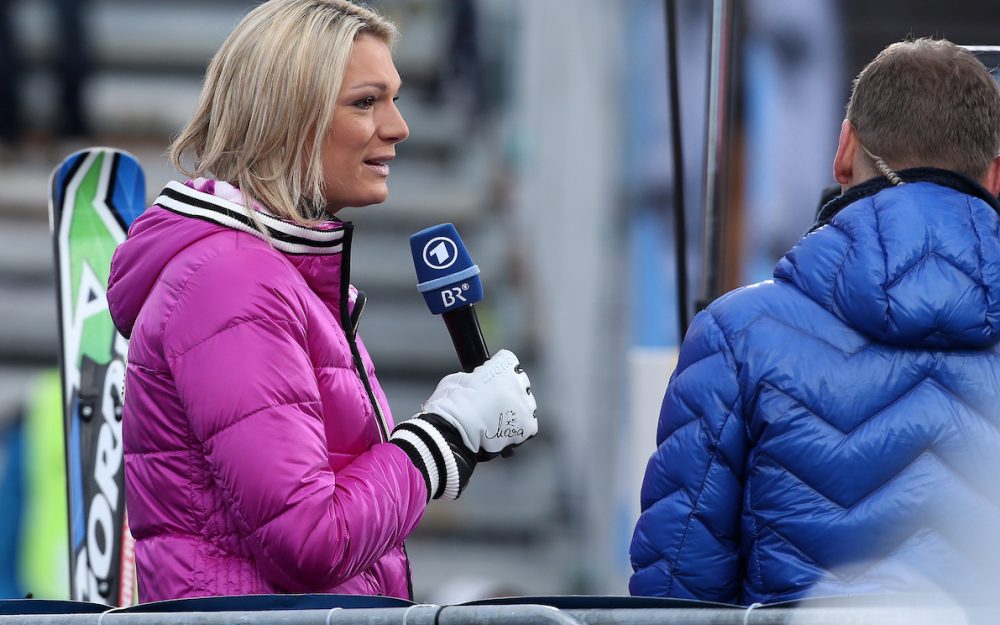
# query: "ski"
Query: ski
96,193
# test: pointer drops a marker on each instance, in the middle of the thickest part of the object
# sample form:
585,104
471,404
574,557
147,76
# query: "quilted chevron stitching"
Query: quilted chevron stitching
885,258
979,239
782,322
694,506
990,421
820,416
979,255
708,467
848,507
923,259
840,270
805,556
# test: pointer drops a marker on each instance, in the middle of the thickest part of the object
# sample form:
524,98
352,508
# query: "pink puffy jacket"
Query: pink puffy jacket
254,428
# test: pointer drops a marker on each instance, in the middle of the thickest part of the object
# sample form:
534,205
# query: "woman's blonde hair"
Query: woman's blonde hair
268,99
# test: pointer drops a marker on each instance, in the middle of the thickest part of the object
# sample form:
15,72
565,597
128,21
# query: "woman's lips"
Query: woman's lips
380,168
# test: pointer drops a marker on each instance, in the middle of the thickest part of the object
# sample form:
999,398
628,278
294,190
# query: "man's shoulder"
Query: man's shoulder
776,313
741,306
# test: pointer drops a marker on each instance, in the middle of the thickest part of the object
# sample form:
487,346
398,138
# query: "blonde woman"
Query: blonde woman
260,453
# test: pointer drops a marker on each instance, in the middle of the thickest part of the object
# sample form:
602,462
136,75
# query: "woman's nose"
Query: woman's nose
393,128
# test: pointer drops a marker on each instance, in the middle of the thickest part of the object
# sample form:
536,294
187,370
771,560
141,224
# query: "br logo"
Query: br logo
440,253
453,295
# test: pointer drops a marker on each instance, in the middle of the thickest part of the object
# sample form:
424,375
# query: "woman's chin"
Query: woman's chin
368,199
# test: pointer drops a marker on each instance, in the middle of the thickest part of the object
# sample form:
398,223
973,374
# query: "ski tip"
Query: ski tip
127,197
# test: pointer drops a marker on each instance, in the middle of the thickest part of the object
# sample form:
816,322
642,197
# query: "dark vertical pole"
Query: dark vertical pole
72,68
715,143
10,69
680,223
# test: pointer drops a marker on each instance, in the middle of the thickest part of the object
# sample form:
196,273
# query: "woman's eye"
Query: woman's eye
365,103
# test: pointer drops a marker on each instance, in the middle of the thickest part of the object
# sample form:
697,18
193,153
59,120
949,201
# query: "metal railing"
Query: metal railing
524,614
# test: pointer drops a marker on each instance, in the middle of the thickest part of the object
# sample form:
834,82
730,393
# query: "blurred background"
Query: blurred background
540,128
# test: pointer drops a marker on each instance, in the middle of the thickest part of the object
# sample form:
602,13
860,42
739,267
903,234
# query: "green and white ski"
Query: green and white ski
95,195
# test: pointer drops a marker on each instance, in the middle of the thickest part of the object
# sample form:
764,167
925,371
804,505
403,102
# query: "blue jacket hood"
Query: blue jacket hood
872,260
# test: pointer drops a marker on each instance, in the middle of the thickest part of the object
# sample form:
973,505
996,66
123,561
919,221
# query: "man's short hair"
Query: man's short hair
928,103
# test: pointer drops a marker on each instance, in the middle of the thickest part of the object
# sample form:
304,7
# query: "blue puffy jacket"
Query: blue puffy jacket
836,430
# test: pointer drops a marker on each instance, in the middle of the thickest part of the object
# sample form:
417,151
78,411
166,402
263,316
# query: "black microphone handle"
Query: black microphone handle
466,335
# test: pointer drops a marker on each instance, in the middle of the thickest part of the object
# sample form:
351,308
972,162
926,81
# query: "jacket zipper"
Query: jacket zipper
382,424
350,323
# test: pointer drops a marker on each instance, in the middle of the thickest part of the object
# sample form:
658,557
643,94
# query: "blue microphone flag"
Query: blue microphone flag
446,275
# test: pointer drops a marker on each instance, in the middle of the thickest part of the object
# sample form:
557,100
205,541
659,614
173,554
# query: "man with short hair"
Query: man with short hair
836,430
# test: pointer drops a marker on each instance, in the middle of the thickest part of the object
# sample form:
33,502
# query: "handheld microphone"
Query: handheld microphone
449,282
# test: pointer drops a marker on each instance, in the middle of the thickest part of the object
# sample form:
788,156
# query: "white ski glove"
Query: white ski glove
470,417
492,407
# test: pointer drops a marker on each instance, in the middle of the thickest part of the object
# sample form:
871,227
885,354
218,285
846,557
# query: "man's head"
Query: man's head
923,103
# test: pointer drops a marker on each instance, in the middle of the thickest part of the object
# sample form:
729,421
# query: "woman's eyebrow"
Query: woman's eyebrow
381,86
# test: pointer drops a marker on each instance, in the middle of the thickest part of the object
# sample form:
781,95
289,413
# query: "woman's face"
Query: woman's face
365,129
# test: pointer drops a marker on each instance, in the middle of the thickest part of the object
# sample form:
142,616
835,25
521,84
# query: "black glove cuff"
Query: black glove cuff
436,449
465,460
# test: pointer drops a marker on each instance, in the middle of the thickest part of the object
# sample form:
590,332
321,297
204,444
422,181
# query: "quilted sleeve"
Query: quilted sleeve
686,542
236,346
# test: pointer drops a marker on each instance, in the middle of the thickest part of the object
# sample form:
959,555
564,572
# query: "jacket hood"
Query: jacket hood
184,214
912,265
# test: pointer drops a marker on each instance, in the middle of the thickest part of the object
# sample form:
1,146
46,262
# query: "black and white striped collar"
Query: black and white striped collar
284,236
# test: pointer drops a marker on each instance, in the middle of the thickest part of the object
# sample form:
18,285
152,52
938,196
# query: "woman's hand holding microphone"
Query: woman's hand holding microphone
470,417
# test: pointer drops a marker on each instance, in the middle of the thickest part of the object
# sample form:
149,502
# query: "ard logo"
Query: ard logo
440,253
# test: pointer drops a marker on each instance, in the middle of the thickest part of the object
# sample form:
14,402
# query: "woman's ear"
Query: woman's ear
843,162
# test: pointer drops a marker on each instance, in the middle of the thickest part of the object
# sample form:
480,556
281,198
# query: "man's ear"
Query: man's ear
843,162
992,178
